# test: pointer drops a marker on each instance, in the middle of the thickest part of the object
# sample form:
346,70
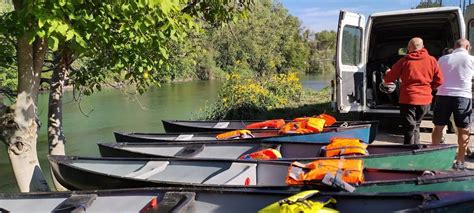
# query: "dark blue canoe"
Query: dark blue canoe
181,126
361,132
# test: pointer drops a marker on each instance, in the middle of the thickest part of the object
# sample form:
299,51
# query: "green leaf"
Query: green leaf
80,41
125,7
165,7
53,25
41,22
30,37
142,3
69,35
62,28
53,43
41,33
164,52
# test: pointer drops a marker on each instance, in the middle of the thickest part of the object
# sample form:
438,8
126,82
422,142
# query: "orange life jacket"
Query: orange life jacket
275,124
352,171
266,154
243,133
303,125
345,146
329,119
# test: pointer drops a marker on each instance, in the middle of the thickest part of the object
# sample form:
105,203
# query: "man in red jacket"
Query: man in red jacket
419,74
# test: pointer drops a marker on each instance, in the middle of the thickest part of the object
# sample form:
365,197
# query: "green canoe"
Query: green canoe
380,156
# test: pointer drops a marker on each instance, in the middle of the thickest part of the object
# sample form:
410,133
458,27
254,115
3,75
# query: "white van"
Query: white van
366,49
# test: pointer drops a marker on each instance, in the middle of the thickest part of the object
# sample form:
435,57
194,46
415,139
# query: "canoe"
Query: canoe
87,173
92,201
361,132
183,126
380,156
229,201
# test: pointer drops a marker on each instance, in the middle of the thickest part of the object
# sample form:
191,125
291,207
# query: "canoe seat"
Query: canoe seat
75,203
221,125
184,137
178,202
149,169
236,174
190,151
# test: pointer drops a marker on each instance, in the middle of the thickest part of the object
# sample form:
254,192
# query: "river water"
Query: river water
97,116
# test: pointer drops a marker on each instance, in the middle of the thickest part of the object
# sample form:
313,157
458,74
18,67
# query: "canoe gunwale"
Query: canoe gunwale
441,178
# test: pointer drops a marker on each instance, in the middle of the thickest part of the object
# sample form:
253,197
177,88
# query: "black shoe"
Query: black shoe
459,166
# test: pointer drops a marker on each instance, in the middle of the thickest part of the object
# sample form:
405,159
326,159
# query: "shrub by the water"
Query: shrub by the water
241,96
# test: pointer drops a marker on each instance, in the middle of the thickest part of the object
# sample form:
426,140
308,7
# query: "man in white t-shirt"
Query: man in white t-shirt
454,96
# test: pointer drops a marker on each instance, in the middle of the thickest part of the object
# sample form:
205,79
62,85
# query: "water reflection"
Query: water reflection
316,81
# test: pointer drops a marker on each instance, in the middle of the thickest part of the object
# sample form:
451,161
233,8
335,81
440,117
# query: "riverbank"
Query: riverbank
312,102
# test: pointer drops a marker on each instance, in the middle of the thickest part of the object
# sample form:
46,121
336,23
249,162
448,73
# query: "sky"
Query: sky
320,15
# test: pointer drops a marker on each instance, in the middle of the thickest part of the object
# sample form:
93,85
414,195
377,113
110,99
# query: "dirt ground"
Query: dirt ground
389,136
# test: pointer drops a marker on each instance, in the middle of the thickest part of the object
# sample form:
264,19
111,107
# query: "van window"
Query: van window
351,45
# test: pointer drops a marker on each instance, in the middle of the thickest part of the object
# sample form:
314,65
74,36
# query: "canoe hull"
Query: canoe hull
420,159
92,201
361,132
183,126
222,200
415,160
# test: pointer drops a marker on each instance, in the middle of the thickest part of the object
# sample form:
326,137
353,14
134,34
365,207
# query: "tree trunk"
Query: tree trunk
56,139
19,124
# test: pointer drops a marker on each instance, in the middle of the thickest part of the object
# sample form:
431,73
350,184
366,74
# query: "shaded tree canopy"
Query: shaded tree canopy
429,3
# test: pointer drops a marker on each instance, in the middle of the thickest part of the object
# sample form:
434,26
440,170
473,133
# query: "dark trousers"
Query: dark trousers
411,117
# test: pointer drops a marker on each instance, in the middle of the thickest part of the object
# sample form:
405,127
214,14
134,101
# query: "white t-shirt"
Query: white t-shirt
457,68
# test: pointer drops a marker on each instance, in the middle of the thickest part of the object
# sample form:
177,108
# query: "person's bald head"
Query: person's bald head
415,44
462,43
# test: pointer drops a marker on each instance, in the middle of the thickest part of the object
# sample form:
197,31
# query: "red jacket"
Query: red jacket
419,74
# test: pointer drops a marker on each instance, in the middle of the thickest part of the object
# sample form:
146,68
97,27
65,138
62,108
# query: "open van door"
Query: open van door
469,19
350,62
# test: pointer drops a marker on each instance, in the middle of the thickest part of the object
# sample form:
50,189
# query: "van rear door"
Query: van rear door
350,62
469,19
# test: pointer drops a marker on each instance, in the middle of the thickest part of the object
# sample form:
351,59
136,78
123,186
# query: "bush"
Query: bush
241,96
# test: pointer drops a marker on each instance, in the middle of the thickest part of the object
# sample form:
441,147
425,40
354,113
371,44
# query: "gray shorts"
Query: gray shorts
461,108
